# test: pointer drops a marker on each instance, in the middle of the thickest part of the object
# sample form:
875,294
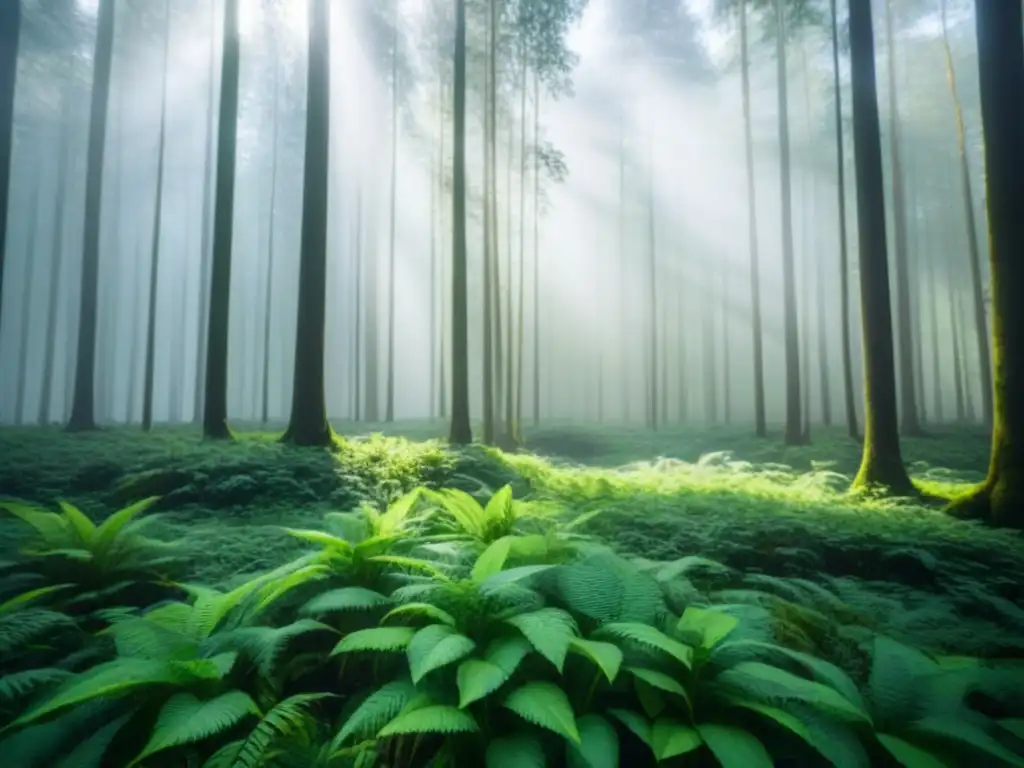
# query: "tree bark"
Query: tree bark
881,462
389,386
461,432
31,227
268,308
308,423
488,249
1000,498
10,30
215,399
83,404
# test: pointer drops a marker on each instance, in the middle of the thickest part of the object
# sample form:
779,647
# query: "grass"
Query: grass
766,512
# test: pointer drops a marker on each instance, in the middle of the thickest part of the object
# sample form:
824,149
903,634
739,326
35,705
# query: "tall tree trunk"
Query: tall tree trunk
794,430
10,29
268,308
536,248
56,266
980,324
958,361
849,397
881,462
83,404
389,397
134,345
308,423
436,164
624,272
461,430
726,368
969,381
521,331
760,424
652,290
31,227
488,248
154,263
357,312
933,331
1000,498
822,334
371,316
215,398
908,411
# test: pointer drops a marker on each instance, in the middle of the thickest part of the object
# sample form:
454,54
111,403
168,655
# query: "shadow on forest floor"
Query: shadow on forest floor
771,517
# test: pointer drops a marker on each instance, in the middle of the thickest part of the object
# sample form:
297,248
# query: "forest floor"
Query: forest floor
775,518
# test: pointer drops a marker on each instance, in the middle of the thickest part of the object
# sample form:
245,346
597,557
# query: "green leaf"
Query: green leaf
284,720
435,718
376,639
426,610
507,653
606,656
549,630
376,711
185,719
649,637
436,646
501,578
82,525
492,559
582,519
910,755
546,705
476,679
734,747
519,751
21,600
464,509
765,683
638,724
109,529
91,752
670,738
344,599
598,747
324,539
398,512
711,626
661,681
411,564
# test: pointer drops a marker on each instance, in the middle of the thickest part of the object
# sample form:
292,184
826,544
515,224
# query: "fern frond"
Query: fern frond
546,705
734,747
436,646
83,527
265,646
398,512
186,719
285,718
421,610
21,627
435,718
18,685
345,599
376,639
606,656
476,679
650,638
549,630
376,711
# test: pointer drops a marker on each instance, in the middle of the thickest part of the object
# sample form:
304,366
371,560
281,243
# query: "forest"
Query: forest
511,383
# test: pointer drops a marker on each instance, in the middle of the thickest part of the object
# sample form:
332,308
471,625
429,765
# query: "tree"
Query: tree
154,264
215,398
980,325
461,432
844,268
83,403
10,29
881,461
1000,498
308,424
31,228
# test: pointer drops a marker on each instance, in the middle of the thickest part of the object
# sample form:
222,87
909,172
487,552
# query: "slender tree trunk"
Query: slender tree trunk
357,319
134,345
268,308
980,324
726,368
536,248
958,365
909,415
933,332
154,264
461,431
308,423
624,272
509,431
849,396
823,366
83,404
488,249
389,397
205,257
794,430
436,164
1000,498
215,399
652,291
31,227
10,29
371,317
760,424
881,462
969,380
521,331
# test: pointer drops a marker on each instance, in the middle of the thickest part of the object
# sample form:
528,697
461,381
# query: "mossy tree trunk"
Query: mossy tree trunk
83,398
215,397
881,462
1000,498
308,423
10,30
461,432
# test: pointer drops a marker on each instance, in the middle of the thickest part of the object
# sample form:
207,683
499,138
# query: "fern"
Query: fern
18,685
19,628
376,711
606,588
476,679
376,639
549,630
436,646
434,718
671,738
345,599
284,719
606,656
649,638
186,719
734,747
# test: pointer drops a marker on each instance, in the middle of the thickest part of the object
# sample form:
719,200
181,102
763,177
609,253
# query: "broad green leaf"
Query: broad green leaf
661,681
710,625
397,512
426,610
910,755
27,597
519,751
376,639
606,656
649,637
1013,725
598,747
549,630
507,653
476,679
84,527
322,538
431,719
765,683
492,559
109,529
499,506
546,705
185,719
637,723
344,599
671,738
734,747
376,711
436,646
